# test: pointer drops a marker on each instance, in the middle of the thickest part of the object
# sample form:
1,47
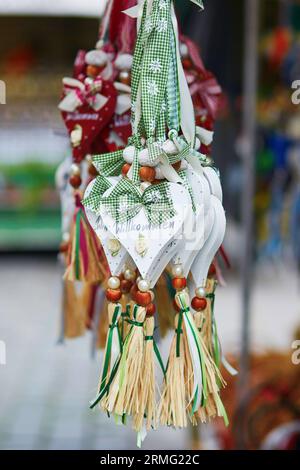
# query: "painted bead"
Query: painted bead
75,181
200,292
113,295
199,304
151,310
129,275
125,169
177,270
75,169
212,270
179,283
143,298
126,286
147,173
113,282
143,286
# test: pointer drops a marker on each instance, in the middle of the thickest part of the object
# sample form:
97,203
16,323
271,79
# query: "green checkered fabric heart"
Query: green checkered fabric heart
126,201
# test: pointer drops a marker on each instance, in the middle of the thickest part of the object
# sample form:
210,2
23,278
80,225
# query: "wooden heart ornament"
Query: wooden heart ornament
91,115
115,253
145,242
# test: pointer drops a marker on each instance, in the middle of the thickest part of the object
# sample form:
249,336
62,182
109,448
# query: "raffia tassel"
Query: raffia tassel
164,293
73,311
173,407
123,395
148,389
85,258
112,351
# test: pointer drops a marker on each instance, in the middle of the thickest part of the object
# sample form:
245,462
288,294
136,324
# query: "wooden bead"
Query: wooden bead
92,170
113,295
199,304
133,291
179,283
64,246
125,169
187,63
151,310
125,78
177,166
143,298
147,173
75,181
93,71
176,306
126,286
212,270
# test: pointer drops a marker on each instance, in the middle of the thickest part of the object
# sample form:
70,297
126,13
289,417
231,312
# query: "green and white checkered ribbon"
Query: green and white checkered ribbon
93,201
126,201
109,164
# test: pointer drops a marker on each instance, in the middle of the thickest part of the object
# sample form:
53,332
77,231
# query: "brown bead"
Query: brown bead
176,306
199,304
133,291
93,71
93,171
179,283
125,78
151,310
177,166
212,270
113,295
75,181
64,246
126,286
143,298
125,169
147,173
187,63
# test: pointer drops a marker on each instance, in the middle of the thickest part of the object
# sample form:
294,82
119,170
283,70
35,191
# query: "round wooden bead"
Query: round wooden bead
113,295
177,166
151,310
125,77
212,270
133,291
179,283
64,246
126,286
176,306
75,181
93,171
143,298
93,70
125,169
187,63
147,173
199,304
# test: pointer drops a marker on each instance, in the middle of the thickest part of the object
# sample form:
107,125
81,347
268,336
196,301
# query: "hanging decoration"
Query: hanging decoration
156,207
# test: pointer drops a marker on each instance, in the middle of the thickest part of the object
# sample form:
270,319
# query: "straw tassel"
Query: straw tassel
113,344
148,389
123,395
85,259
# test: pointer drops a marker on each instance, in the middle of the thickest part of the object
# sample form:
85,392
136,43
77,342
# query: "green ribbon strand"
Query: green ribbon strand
107,359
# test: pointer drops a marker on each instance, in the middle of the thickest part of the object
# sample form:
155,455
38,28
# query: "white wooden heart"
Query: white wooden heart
145,243
199,226
206,255
115,253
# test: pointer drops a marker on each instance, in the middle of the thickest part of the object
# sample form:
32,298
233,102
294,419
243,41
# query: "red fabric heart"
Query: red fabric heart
91,121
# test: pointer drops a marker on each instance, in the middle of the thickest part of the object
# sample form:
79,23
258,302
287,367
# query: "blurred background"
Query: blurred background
46,387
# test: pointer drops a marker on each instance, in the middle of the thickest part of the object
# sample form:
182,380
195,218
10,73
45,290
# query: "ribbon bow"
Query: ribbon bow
77,94
93,200
126,201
